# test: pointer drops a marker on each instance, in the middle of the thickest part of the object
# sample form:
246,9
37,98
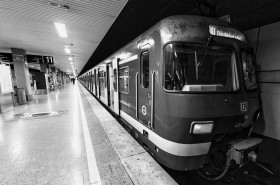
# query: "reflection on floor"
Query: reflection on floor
47,149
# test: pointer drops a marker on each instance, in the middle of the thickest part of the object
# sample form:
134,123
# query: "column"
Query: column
21,72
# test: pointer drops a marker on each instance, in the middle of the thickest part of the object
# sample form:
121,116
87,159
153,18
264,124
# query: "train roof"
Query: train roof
175,25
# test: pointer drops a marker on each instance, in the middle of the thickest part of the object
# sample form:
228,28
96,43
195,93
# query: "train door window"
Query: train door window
249,71
144,62
115,80
105,79
124,80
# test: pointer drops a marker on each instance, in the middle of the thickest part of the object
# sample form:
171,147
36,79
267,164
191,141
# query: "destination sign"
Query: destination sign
227,32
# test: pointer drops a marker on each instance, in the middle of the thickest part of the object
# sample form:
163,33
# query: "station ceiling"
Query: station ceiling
98,28
139,15
29,25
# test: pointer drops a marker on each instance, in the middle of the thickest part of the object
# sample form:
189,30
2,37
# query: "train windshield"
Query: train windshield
189,68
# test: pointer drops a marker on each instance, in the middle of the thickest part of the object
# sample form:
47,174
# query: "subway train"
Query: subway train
186,90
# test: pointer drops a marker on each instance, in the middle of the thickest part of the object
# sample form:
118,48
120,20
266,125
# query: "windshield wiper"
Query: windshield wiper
202,58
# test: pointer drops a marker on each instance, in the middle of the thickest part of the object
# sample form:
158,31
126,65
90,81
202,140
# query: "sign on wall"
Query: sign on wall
48,60
6,85
6,57
38,59
35,59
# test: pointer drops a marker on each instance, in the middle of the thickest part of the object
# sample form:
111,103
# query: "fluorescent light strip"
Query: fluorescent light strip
70,58
61,29
67,50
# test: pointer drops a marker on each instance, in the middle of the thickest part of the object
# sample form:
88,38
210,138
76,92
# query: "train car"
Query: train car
186,90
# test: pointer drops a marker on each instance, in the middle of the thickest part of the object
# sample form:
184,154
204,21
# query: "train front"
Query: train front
207,99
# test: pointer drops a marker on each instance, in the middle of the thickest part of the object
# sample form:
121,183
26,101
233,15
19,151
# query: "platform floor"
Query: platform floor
72,140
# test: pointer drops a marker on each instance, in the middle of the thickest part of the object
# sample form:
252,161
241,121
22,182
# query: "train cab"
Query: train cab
185,88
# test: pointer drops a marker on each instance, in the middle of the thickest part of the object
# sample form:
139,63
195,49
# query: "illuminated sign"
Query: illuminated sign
6,57
6,85
35,59
227,32
48,59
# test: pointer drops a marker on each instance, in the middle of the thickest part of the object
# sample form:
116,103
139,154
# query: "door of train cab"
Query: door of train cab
116,86
144,90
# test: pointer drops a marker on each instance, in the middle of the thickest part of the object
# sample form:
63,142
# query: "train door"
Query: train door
89,80
108,85
116,85
97,83
86,80
105,84
94,82
144,90
111,86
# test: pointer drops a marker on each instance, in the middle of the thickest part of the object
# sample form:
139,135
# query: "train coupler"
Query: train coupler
244,151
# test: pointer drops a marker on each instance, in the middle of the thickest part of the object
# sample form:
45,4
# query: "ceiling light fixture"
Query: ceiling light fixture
61,29
57,5
67,50
70,58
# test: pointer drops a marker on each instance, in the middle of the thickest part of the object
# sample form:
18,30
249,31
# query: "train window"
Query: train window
124,80
249,71
145,69
189,68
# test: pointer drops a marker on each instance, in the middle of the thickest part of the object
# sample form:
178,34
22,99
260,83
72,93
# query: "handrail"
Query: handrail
136,97
152,100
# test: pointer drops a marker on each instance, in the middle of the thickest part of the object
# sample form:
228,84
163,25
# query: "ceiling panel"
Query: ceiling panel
29,24
139,15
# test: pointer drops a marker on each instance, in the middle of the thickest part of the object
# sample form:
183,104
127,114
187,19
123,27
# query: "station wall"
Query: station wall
266,42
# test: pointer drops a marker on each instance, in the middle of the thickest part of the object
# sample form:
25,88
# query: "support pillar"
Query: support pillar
21,72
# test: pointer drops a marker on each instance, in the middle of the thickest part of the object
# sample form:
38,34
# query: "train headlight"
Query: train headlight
201,127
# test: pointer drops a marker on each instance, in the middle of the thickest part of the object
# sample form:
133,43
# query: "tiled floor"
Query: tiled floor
54,149
48,150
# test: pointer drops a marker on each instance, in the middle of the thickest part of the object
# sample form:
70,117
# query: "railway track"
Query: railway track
251,174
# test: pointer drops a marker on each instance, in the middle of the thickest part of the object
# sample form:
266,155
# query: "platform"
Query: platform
67,137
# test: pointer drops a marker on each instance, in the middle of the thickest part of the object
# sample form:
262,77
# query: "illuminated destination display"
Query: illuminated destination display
227,32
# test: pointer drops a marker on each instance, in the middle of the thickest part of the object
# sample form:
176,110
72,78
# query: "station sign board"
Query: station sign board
35,59
39,59
48,60
6,57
